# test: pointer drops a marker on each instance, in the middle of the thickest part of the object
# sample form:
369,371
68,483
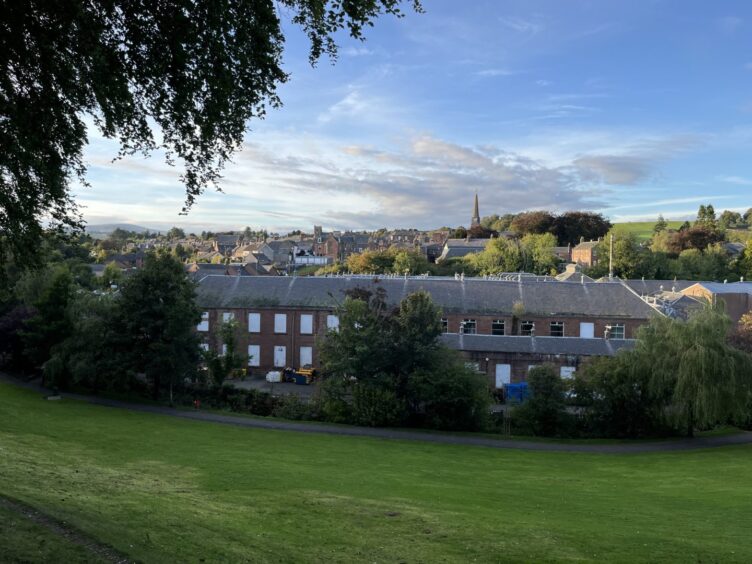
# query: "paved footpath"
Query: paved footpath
637,447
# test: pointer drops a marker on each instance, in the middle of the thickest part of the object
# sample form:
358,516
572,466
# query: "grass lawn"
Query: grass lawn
22,540
171,490
643,230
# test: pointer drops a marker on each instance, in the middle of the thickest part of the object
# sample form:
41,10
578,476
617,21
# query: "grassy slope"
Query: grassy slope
644,229
164,489
21,540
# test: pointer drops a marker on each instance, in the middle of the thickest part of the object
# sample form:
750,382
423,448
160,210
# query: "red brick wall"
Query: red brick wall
293,340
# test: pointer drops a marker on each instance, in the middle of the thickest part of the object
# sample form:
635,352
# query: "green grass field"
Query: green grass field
643,230
171,490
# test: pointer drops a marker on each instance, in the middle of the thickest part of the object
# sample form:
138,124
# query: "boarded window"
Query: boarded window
227,316
587,330
204,325
332,322
503,375
306,324
254,355
498,327
254,323
567,372
557,328
306,356
280,323
280,356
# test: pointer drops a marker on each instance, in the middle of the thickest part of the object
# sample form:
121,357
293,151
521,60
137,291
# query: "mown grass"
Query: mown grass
643,230
22,540
170,490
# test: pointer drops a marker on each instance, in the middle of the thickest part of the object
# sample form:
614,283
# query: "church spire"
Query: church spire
476,214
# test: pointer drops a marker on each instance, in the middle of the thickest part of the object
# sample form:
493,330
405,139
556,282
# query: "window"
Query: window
254,355
587,330
444,325
567,372
503,375
527,328
254,323
468,326
280,323
616,331
473,366
497,328
204,325
204,347
530,367
227,316
224,349
306,356
332,322
557,328
280,356
306,324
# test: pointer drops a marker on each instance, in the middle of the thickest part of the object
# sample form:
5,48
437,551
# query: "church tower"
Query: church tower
476,214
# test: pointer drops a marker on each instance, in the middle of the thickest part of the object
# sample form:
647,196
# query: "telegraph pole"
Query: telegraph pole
611,258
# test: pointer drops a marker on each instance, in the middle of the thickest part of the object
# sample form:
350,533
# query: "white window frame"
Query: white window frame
254,355
503,324
551,326
306,356
204,325
306,324
280,323
531,331
620,326
254,323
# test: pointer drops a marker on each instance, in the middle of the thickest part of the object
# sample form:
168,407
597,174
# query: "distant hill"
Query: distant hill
105,229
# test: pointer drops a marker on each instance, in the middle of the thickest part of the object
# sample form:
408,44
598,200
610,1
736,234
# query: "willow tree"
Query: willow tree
706,380
182,76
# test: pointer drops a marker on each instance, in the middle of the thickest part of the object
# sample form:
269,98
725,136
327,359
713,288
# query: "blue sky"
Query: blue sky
630,108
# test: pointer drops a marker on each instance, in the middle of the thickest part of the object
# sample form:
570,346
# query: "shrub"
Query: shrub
452,397
544,412
374,405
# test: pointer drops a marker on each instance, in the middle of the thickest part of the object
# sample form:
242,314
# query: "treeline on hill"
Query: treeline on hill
694,251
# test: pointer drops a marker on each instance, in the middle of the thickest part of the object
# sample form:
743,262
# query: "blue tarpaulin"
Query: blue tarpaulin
517,393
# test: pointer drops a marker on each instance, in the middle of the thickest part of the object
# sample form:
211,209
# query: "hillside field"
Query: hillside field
644,229
162,489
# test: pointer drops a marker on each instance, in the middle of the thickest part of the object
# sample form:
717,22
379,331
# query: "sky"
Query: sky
627,108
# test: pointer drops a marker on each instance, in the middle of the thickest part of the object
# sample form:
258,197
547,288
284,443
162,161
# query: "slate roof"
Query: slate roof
454,248
721,288
536,345
471,295
653,287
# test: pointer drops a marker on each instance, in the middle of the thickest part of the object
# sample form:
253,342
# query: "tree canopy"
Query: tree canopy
182,76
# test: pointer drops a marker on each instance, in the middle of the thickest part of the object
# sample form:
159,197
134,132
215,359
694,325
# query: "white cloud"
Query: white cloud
357,51
494,72
738,180
543,83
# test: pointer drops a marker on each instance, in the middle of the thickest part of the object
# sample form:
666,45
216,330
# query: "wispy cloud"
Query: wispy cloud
520,25
357,51
738,180
495,72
